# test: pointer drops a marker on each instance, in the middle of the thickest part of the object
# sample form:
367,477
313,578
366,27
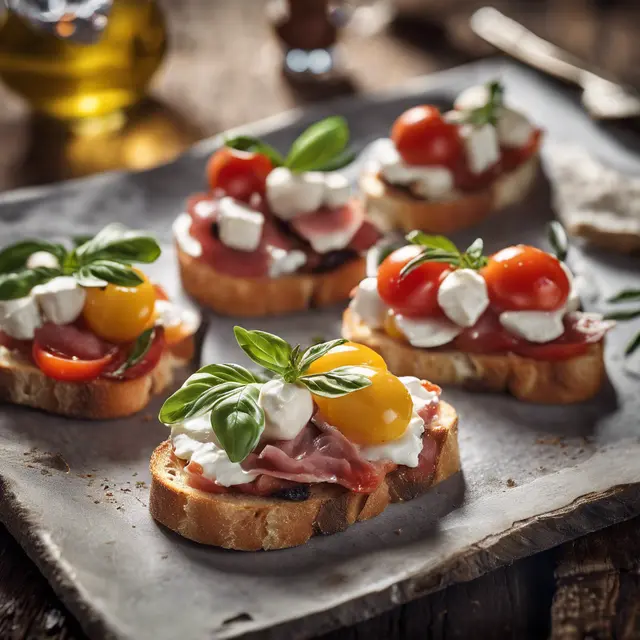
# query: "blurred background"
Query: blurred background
133,84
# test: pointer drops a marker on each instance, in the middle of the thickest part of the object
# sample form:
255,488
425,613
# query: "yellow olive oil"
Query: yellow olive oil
68,80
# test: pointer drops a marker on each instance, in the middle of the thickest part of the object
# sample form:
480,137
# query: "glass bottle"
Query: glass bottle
69,80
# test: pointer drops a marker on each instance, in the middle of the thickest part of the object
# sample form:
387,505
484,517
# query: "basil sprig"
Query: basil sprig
488,113
321,147
627,295
441,249
94,262
230,393
558,240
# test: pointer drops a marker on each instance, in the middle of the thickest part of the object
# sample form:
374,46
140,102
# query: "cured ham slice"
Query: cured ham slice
72,342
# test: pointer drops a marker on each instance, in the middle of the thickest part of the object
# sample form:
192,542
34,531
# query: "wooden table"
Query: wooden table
224,70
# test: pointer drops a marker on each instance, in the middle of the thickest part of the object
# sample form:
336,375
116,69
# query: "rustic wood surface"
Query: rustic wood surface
224,70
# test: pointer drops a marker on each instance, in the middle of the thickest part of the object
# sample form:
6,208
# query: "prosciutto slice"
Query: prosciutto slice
203,211
320,453
72,341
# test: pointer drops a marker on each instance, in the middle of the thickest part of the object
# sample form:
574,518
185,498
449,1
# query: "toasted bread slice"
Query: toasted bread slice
23,383
254,297
544,382
248,523
393,208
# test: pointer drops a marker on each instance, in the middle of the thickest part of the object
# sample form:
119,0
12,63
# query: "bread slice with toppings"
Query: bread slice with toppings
249,523
23,383
393,208
254,297
545,382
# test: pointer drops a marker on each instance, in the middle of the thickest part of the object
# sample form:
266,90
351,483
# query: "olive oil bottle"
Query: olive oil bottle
69,80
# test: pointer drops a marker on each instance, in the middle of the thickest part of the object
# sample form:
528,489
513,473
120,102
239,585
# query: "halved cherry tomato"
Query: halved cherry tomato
161,294
556,350
60,367
150,360
415,294
523,278
423,137
486,336
238,173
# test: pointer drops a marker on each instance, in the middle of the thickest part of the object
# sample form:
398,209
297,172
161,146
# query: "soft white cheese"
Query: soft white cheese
337,190
287,409
284,262
573,301
513,128
42,259
169,314
216,466
368,305
61,299
240,227
481,146
291,195
406,449
463,296
428,182
204,208
535,326
325,241
181,227
427,332
194,440
20,318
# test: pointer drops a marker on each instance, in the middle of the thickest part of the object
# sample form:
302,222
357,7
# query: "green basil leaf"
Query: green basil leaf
342,160
488,113
435,242
102,272
215,374
15,256
81,239
431,255
633,345
18,285
623,315
626,295
177,406
238,422
265,349
336,383
559,240
254,145
321,143
208,399
116,242
139,350
317,351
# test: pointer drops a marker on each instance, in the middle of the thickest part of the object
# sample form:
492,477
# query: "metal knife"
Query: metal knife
603,98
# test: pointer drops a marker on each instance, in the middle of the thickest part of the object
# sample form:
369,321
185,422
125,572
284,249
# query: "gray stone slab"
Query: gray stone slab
75,493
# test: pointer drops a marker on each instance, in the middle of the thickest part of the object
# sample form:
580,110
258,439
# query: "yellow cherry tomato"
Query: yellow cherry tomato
391,327
347,354
373,415
120,314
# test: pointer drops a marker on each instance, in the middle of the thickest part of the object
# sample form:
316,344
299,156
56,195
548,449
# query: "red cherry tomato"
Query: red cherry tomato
486,336
523,278
415,294
238,174
148,362
60,367
556,350
423,137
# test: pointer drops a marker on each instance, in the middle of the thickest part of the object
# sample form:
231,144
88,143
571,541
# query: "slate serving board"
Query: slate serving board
75,493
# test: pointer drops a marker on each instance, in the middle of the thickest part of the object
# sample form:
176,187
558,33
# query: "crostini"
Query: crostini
82,332
440,173
273,234
331,439
510,322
